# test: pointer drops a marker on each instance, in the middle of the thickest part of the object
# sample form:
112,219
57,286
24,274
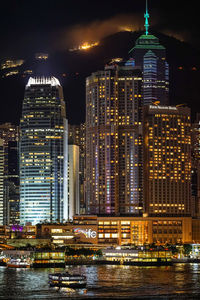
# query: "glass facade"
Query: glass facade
150,55
43,153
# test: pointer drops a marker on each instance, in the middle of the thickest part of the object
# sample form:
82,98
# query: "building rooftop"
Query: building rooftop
43,80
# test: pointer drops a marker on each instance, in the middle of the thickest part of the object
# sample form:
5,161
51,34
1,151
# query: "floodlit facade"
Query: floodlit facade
43,152
126,230
167,160
114,141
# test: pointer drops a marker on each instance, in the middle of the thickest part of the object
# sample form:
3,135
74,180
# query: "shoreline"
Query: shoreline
107,262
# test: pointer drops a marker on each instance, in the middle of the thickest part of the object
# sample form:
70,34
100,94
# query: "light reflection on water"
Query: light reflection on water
180,280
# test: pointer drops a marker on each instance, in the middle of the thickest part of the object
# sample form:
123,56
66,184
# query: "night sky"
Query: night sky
47,24
27,27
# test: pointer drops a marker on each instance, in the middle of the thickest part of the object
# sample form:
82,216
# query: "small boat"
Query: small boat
17,263
74,281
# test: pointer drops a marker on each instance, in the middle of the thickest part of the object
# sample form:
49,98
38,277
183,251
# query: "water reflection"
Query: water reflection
106,281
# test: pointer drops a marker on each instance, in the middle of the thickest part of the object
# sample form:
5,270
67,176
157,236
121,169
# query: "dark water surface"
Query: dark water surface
181,281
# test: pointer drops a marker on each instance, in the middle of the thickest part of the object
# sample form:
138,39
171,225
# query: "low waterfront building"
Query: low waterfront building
49,257
41,257
4,233
195,252
129,255
139,230
68,233
196,230
104,231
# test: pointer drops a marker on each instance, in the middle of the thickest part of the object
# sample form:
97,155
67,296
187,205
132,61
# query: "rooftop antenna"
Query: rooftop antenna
146,16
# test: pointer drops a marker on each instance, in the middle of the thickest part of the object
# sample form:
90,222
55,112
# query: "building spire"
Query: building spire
146,16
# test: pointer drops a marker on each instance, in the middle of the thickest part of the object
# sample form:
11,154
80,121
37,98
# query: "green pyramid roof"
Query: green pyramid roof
149,41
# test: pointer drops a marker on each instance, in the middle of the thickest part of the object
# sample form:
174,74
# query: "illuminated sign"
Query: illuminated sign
162,107
88,233
17,228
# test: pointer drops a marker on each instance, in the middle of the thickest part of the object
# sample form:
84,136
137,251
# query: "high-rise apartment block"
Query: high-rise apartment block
114,141
167,160
43,153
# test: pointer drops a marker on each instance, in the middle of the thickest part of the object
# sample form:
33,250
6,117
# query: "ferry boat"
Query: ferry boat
17,263
74,281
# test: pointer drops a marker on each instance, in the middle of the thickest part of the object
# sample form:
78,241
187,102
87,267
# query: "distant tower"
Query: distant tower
43,153
150,56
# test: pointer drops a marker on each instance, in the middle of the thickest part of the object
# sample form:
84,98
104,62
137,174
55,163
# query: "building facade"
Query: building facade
73,180
1,182
114,141
150,55
196,166
76,136
167,160
9,133
128,230
43,152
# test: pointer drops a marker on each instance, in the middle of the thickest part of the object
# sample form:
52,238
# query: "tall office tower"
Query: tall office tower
76,136
10,136
73,183
1,182
13,183
167,160
196,166
9,133
113,141
43,152
150,55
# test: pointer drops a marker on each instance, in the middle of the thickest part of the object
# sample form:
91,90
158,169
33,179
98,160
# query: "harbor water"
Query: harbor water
180,281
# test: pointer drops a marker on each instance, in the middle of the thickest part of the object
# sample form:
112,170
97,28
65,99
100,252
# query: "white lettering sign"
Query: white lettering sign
162,107
88,233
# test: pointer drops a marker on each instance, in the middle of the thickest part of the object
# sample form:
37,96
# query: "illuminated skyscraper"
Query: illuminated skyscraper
167,160
196,166
114,141
43,152
1,181
150,55
73,183
10,136
76,136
